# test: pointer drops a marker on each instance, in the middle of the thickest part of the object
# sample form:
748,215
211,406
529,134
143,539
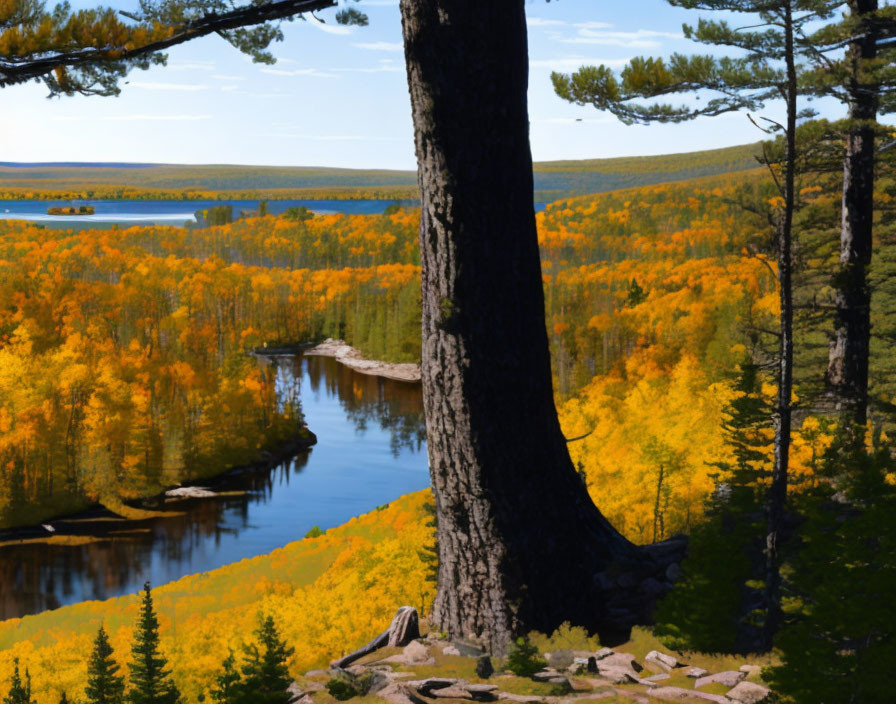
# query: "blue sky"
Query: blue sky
337,97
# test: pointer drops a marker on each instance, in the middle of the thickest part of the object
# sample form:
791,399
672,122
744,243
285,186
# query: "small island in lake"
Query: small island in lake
71,210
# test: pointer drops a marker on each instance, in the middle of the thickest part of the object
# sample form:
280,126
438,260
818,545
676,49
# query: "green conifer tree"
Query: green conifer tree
104,684
227,684
150,680
19,691
266,678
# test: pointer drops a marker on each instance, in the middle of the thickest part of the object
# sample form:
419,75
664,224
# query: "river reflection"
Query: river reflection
370,450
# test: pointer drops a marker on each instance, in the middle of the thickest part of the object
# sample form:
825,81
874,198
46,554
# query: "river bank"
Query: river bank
354,358
113,517
145,507
370,448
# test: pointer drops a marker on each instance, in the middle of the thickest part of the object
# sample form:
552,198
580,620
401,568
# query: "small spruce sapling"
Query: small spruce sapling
19,691
104,684
523,659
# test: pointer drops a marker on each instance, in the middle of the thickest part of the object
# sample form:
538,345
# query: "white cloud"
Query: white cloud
327,137
131,118
298,72
543,22
191,66
572,63
380,46
227,77
382,68
572,120
150,85
640,39
330,28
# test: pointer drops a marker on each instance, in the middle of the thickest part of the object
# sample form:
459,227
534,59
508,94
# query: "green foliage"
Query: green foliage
713,607
523,658
226,687
315,532
838,643
298,214
19,691
215,216
341,690
429,553
104,684
265,675
149,678
636,294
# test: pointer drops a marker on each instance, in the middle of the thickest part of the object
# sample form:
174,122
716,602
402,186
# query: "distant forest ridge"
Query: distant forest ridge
554,179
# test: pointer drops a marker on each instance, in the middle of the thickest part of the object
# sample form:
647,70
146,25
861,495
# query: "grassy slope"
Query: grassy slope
329,595
552,179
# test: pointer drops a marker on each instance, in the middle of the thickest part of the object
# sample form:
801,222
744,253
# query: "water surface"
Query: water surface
170,212
370,450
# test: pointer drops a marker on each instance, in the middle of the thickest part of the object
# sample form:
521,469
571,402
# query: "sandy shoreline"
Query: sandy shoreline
351,357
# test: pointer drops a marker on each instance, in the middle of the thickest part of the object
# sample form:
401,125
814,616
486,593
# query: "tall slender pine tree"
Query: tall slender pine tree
150,680
104,684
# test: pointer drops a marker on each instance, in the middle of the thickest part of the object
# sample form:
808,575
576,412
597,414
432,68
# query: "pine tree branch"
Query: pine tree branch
20,69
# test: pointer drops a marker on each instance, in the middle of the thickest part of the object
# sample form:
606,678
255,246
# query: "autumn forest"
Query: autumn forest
570,430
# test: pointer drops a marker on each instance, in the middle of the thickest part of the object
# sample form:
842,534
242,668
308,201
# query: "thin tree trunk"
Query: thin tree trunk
521,544
847,372
777,494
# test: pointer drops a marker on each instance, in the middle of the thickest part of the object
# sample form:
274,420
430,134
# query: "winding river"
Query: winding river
370,450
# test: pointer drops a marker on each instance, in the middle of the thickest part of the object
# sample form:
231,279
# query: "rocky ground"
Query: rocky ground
351,357
430,670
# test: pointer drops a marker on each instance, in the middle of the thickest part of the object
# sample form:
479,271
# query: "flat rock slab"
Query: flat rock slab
431,683
620,660
696,672
749,693
395,694
663,660
729,678
451,692
618,675
190,492
510,697
750,669
415,653
679,694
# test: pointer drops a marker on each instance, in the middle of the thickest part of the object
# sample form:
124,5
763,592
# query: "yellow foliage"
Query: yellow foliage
328,595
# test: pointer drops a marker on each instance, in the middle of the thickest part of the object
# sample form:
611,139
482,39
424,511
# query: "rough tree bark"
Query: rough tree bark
521,544
847,373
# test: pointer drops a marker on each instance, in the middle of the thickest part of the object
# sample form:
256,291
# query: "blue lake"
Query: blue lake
175,212
370,450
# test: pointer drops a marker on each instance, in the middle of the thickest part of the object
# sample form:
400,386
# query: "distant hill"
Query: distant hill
553,179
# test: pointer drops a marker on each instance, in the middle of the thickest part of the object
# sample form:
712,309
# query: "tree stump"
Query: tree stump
404,628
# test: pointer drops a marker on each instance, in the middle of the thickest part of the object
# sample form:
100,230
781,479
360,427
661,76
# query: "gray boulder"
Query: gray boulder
749,693
666,662
729,678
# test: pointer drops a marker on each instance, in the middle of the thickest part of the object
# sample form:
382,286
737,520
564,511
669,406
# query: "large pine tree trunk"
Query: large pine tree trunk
848,358
521,544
